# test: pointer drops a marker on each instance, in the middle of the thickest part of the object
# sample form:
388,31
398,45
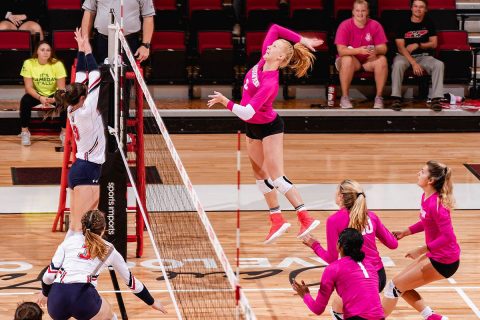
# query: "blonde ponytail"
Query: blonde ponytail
302,60
442,176
355,202
93,225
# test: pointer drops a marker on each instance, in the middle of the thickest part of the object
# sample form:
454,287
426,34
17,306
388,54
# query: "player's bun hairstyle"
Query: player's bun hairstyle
28,311
93,224
442,176
298,58
355,202
351,241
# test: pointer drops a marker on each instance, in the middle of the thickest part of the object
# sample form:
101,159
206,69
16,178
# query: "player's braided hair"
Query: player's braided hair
93,225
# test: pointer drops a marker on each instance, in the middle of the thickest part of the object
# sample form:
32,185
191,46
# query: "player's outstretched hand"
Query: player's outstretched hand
308,240
311,43
157,305
301,289
217,97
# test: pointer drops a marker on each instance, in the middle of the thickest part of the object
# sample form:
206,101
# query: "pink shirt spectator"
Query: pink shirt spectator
356,283
260,87
338,221
372,34
439,235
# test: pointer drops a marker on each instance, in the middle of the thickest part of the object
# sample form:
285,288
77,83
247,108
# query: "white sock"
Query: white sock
114,316
427,312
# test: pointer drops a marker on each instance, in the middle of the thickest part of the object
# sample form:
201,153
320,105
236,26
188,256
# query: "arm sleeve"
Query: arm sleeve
327,285
26,69
137,287
256,102
383,234
417,227
90,5
275,32
330,254
444,224
380,37
431,28
60,71
341,36
81,72
53,268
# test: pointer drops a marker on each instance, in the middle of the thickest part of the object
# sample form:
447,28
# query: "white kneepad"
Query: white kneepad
391,291
265,186
282,184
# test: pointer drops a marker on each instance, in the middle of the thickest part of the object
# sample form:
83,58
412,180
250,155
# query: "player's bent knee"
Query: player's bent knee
282,184
265,186
391,291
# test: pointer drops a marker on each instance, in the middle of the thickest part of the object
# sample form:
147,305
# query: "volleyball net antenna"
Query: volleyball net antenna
195,268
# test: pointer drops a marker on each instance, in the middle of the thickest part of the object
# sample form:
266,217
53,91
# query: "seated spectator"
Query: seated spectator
42,74
22,15
28,311
416,40
361,44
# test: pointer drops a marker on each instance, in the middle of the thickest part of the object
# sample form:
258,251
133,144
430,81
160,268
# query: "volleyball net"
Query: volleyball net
197,273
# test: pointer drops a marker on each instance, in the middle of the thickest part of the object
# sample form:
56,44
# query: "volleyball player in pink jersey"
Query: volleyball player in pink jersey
354,279
264,127
354,213
440,257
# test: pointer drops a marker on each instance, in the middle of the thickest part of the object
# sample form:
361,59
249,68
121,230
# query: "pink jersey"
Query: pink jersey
338,221
439,235
372,34
260,87
356,283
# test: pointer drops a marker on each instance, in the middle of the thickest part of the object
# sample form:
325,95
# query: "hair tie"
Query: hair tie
88,229
360,193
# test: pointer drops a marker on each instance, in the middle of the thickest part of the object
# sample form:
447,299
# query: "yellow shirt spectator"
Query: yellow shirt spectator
44,76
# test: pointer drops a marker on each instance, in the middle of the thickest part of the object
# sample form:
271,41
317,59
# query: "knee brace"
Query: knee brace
265,186
282,184
391,291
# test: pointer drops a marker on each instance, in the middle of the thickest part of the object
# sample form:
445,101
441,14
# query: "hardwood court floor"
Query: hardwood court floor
313,158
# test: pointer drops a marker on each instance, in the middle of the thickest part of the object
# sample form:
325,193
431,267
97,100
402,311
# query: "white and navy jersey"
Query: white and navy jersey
86,121
72,264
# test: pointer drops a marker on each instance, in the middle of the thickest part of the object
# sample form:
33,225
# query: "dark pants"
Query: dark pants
26,105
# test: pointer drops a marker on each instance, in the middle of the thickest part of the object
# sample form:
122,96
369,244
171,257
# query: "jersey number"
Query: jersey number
369,228
75,133
85,254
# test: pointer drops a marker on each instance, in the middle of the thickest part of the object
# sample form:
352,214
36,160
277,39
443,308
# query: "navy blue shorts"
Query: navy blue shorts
78,300
446,270
83,172
258,131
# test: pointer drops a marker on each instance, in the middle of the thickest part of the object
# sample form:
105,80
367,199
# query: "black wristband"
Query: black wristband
46,289
145,44
145,296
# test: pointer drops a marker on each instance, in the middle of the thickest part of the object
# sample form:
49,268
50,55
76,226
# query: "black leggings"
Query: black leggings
26,105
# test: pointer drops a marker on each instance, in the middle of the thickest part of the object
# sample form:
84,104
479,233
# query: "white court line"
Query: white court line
244,289
465,298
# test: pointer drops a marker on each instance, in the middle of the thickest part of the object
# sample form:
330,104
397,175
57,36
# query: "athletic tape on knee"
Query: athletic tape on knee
265,186
391,291
282,184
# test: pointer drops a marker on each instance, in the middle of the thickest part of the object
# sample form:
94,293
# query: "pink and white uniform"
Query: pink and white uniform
439,235
356,283
260,87
337,222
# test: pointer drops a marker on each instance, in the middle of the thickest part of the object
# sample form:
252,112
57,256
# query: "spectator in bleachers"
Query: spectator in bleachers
22,15
42,75
97,13
361,44
28,311
416,41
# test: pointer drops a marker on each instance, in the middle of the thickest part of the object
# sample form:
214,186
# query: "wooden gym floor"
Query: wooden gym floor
27,243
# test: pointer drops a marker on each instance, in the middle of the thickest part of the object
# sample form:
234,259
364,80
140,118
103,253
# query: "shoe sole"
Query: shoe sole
346,107
277,234
314,224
